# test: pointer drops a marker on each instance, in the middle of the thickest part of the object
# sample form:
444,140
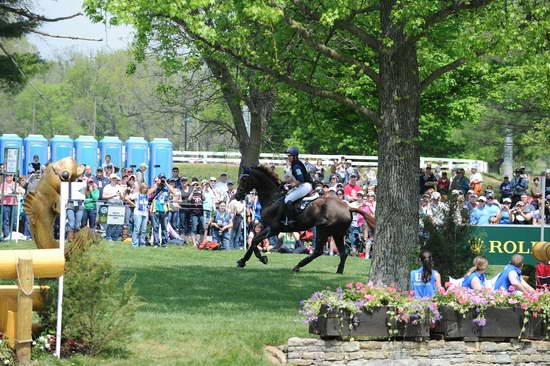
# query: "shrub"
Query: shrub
451,243
98,312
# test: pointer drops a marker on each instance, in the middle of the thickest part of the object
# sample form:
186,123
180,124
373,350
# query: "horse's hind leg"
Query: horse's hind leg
339,240
322,236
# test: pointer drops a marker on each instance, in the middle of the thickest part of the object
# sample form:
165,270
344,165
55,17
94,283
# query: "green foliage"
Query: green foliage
7,356
14,27
98,311
451,243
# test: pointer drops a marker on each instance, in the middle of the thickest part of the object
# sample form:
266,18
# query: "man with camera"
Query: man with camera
159,194
520,183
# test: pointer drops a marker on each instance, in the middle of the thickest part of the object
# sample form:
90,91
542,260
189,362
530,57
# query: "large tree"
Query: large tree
376,58
249,98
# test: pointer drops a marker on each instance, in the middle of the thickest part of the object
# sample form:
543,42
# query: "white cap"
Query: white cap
482,198
507,199
113,176
212,178
436,196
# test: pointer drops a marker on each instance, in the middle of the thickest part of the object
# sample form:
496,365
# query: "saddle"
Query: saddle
301,204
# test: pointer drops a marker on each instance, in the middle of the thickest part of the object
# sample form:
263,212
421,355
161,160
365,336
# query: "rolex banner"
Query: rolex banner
500,242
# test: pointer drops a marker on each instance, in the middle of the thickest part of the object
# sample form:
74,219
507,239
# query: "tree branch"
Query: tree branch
341,24
442,14
36,17
67,37
327,51
278,76
440,71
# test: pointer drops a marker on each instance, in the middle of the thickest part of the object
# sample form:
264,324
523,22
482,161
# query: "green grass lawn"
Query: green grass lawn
201,310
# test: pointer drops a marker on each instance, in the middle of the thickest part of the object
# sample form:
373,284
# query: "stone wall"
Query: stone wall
310,351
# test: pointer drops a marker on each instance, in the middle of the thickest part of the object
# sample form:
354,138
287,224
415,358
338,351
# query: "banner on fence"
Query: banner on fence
115,215
500,242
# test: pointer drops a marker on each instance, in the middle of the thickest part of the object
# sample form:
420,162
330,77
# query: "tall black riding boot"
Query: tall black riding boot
289,213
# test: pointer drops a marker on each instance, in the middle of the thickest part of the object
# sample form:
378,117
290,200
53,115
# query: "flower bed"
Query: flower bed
367,310
456,312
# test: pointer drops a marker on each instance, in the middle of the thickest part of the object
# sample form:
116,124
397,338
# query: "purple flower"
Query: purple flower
480,322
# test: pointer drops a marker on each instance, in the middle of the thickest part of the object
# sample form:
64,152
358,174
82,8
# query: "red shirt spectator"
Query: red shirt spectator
351,189
443,184
9,191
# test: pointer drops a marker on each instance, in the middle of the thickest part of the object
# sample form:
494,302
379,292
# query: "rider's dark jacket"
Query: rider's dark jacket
300,172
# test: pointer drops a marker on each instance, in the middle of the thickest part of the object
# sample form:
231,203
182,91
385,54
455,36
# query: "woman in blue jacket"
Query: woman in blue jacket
425,281
475,277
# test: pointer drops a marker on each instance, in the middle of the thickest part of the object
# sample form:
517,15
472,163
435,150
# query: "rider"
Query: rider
302,184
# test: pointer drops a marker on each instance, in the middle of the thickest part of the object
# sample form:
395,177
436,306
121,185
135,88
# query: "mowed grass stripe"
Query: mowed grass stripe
198,309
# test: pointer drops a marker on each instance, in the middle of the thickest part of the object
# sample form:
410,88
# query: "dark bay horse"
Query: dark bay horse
330,216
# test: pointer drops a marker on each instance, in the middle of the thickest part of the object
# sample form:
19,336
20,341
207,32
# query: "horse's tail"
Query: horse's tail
369,219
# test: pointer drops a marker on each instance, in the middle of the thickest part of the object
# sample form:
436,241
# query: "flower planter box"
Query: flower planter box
335,324
500,323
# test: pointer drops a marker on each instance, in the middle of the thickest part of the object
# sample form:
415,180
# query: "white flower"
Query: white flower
6,362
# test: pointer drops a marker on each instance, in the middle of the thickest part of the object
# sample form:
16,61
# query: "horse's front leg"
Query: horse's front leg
264,234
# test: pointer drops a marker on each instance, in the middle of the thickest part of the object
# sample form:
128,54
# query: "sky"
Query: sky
114,38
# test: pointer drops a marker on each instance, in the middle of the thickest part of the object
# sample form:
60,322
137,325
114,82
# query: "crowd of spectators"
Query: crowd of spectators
515,201
182,210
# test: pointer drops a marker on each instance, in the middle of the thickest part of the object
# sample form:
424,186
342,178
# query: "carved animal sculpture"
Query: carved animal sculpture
42,204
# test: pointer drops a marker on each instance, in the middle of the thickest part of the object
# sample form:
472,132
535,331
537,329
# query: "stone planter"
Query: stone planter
501,323
336,324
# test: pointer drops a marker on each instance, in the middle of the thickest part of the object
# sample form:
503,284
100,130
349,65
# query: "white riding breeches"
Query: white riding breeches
298,192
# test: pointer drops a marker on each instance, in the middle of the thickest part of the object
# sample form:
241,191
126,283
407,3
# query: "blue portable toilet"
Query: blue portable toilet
111,145
85,148
137,152
61,146
35,145
161,157
11,151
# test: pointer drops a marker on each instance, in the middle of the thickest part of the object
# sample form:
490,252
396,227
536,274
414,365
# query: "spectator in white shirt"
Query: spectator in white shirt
113,194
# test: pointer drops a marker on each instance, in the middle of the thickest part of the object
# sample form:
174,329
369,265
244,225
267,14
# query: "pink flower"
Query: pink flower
448,284
511,289
370,284
359,285
512,301
524,306
349,285
440,291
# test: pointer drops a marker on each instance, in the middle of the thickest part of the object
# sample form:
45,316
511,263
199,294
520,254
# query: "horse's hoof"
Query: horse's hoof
296,269
263,259
240,264
339,272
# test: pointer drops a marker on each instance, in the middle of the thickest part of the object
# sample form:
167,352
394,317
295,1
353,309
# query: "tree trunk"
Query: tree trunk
260,104
398,164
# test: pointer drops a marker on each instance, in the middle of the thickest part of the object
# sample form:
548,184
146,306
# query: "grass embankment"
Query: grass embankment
201,310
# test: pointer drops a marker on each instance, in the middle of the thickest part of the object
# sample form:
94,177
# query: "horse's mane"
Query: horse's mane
265,170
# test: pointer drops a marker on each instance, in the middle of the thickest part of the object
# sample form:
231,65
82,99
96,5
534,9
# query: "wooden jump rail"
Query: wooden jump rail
17,302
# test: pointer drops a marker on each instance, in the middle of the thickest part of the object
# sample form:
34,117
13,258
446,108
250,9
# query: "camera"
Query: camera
163,182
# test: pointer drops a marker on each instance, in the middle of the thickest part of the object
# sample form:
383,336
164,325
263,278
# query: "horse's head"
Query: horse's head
246,184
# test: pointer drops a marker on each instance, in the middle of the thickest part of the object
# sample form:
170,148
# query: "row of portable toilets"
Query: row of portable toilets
157,154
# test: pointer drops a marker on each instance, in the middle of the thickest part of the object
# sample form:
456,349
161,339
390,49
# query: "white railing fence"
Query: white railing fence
357,160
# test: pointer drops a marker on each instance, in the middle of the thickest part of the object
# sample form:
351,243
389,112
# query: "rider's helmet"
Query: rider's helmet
292,151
